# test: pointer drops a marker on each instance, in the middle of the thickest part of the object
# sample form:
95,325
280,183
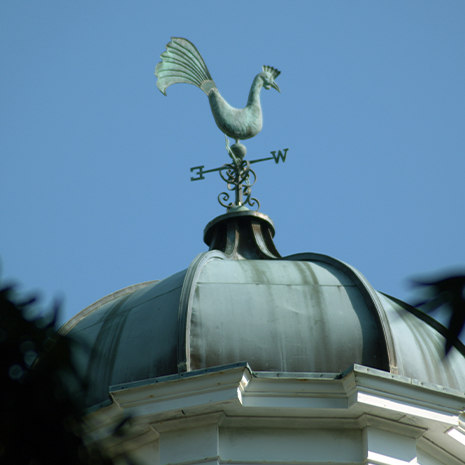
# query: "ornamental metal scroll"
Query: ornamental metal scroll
181,62
239,176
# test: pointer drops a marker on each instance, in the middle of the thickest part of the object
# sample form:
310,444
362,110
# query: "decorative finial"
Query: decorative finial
182,63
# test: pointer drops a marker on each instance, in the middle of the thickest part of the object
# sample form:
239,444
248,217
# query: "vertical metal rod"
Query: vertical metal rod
237,172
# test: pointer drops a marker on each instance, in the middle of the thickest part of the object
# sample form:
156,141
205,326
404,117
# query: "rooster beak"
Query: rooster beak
275,86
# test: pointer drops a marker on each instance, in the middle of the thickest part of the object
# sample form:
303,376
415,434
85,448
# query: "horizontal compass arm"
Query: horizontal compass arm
260,159
200,172
275,156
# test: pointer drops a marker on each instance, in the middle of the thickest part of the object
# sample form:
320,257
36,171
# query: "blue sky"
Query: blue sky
94,169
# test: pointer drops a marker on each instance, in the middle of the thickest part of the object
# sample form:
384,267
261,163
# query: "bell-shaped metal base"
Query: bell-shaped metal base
242,234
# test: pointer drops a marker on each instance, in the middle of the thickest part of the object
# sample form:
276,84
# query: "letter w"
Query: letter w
280,155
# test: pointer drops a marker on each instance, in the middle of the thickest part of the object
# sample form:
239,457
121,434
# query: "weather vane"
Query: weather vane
182,63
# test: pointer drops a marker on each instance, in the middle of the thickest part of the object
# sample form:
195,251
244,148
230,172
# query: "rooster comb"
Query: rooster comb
273,72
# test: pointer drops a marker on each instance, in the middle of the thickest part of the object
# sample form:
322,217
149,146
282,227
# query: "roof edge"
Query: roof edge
185,305
70,324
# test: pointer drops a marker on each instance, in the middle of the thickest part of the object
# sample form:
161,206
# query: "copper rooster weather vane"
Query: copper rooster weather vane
182,63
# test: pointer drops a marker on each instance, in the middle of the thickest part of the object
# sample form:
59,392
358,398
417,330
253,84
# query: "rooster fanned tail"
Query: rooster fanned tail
181,62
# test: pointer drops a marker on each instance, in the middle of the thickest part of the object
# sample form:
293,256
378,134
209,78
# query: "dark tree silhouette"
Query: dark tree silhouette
40,407
446,292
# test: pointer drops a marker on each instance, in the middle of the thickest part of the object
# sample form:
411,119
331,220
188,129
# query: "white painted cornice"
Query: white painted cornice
361,399
237,389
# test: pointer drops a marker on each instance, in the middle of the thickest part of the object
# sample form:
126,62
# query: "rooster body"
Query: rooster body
182,62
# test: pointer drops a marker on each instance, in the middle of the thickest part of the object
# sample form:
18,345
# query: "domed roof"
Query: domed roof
303,313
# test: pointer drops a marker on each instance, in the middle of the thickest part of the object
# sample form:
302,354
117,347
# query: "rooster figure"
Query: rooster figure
182,62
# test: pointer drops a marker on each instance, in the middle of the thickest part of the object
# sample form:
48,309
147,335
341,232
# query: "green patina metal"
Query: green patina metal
306,313
182,63
238,175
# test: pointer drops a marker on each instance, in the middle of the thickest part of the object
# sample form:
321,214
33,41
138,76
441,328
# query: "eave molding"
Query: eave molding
237,389
236,397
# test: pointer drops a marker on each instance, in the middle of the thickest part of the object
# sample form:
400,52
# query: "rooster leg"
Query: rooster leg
228,149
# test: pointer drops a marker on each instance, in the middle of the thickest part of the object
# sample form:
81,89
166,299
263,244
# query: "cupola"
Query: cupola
241,301
249,357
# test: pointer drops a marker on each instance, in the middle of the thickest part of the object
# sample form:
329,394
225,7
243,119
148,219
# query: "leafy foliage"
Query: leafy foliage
448,293
41,411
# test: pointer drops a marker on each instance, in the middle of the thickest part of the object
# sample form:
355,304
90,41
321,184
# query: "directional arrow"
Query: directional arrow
200,170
